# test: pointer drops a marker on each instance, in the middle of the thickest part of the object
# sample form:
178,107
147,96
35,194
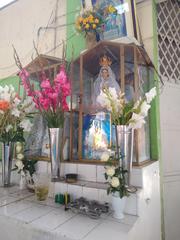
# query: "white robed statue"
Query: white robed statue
106,79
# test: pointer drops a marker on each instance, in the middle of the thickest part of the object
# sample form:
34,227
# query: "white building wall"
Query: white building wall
23,22
170,130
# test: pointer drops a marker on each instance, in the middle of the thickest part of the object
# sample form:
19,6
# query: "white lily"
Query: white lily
137,121
151,94
26,125
144,109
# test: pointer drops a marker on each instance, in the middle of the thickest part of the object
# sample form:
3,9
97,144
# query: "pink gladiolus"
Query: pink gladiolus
51,98
66,89
45,84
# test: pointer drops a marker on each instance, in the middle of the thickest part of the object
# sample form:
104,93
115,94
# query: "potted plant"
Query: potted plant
115,176
90,23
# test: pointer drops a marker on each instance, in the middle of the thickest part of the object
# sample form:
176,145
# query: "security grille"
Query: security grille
169,40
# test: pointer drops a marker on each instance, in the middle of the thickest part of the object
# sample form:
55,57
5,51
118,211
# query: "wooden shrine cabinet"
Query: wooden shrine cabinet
132,69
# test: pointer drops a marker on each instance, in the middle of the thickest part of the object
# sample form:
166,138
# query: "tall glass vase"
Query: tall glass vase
55,137
125,142
7,156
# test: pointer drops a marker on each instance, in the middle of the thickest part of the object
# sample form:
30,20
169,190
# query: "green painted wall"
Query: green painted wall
14,80
75,42
155,116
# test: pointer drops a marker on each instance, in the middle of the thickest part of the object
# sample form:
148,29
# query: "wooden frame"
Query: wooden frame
138,57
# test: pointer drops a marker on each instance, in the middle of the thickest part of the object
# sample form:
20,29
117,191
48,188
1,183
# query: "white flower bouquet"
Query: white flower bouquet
14,114
115,176
130,113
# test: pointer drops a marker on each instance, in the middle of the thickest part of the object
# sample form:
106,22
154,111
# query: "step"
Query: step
89,172
25,216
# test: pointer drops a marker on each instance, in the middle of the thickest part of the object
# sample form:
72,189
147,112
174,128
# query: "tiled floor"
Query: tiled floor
48,219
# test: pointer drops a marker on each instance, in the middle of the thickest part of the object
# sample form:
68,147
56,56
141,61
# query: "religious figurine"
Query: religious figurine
106,78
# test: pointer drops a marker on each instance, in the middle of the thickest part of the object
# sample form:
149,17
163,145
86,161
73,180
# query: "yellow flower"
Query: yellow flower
84,21
87,26
94,26
111,9
96,20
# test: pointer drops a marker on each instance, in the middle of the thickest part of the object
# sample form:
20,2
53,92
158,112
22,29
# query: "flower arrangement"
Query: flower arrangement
115,176
14,114
89,21
130,113
50,100
25,167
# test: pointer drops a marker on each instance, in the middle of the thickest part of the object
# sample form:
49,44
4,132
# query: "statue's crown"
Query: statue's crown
105,61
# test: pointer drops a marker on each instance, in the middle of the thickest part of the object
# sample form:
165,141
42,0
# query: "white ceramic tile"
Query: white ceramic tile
70,168
52,220
103,197
75,191
100,174
87,172
128,219
7,199
32,213
62,170
90,193
48,202
60,187
131,204
109,230
77,227
14,208
21,194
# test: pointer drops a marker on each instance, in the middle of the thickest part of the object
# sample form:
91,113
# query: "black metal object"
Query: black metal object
92,209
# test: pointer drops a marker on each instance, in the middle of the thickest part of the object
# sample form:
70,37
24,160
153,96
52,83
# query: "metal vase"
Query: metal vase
7,156
55,137
125,138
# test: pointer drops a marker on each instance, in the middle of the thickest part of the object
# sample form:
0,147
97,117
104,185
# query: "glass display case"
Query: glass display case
90,126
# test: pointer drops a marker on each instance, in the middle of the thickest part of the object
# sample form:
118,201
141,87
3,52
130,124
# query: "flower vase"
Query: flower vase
7,156
124,146
55,137
118,205
91,40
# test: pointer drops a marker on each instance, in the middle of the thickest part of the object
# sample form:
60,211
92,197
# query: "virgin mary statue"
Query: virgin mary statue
106,78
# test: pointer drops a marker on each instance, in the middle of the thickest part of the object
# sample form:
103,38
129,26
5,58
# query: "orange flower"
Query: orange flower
4,105
96,20
80,19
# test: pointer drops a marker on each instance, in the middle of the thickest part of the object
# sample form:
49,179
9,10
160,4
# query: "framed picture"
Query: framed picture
96,135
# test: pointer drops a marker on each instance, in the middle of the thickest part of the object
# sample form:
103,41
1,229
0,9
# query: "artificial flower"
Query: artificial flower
26,124
12,113
110,171
126,113
144,108
105,157
136,121
89,21
19,164
20,156
50,100
151,94
8,128
115,182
